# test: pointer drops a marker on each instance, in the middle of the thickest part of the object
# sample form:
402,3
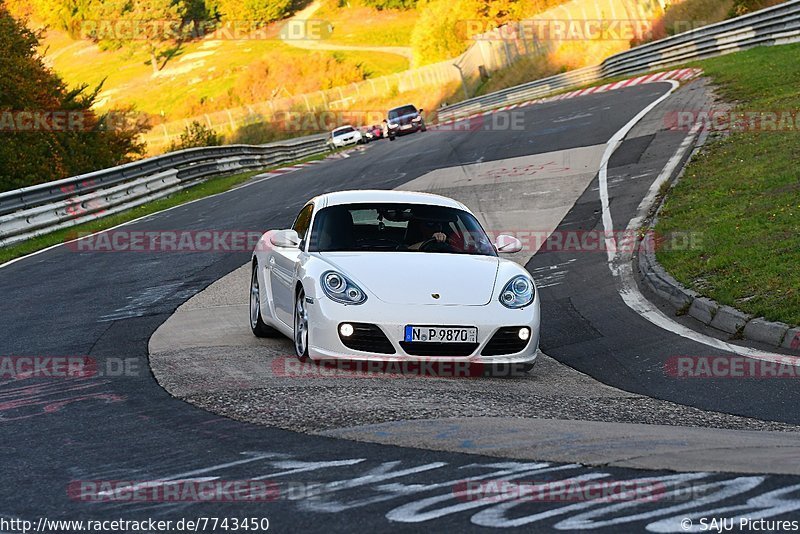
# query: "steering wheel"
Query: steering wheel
432,245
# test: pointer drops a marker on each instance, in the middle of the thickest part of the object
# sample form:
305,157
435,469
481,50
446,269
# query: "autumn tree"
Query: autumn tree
152,24
32,153
253,11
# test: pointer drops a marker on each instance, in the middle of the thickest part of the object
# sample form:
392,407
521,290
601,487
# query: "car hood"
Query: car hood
414,277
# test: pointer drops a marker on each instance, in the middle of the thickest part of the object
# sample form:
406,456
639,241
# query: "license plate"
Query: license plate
441,334
406,126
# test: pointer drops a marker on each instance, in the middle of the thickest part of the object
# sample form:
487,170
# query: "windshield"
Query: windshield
398,227
348,129
401,111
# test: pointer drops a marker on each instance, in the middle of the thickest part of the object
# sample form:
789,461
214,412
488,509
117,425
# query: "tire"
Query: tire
257,325
300,335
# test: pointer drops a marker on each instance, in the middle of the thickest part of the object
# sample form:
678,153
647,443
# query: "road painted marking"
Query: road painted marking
23,401
572,117
190,475
621,267
551,275
420,511
292,467
726,489
611,147
484,492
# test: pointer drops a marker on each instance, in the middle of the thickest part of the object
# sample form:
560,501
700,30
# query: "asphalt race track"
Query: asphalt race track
65,302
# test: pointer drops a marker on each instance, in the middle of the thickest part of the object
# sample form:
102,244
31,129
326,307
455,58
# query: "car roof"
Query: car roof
403,106
342,127
375,196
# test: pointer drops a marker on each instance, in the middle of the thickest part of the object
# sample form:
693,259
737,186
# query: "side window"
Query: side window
303,221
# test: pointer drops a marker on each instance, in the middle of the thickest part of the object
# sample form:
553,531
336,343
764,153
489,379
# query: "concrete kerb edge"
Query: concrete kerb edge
704,309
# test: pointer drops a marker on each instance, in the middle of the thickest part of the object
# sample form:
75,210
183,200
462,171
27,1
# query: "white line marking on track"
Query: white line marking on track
621,267
189,475
602,175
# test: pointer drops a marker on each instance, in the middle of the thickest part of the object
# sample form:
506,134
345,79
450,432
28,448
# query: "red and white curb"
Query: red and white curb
288,169
297,166
677,75
344,154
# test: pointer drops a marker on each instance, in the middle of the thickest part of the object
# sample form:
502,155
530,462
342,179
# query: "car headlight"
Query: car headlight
341,289
518,292
391,125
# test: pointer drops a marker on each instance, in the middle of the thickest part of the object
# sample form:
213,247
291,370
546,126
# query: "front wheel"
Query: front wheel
301,326
257,325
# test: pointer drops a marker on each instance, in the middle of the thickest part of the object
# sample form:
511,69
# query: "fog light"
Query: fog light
346,329
524,333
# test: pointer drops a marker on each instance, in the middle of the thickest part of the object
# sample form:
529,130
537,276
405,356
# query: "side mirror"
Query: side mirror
507,244
285,239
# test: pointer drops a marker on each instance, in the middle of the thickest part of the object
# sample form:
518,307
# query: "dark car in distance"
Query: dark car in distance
405,119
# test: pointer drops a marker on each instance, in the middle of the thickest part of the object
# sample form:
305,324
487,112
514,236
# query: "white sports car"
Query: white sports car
344,136
391,275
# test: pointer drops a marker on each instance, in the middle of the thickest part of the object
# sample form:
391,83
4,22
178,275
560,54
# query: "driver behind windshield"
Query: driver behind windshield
421,232
397,227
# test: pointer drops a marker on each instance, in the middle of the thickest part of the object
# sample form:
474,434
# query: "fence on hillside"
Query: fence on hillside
491,51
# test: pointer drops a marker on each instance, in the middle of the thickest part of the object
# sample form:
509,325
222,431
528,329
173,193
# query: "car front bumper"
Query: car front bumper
325,316
412,127
345,142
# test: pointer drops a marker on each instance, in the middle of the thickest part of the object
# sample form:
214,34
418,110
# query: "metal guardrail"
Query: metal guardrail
44,208
774,25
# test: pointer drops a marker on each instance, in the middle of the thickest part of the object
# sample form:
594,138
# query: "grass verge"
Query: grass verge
210,187
742,194
365,26
205,75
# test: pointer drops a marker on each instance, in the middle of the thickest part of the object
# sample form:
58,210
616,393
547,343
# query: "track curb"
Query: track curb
727,320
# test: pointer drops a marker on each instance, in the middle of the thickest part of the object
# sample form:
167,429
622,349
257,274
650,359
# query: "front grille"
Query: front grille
368,338
415,348
505,341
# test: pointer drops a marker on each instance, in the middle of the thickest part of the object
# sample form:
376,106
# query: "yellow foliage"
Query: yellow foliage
447,27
